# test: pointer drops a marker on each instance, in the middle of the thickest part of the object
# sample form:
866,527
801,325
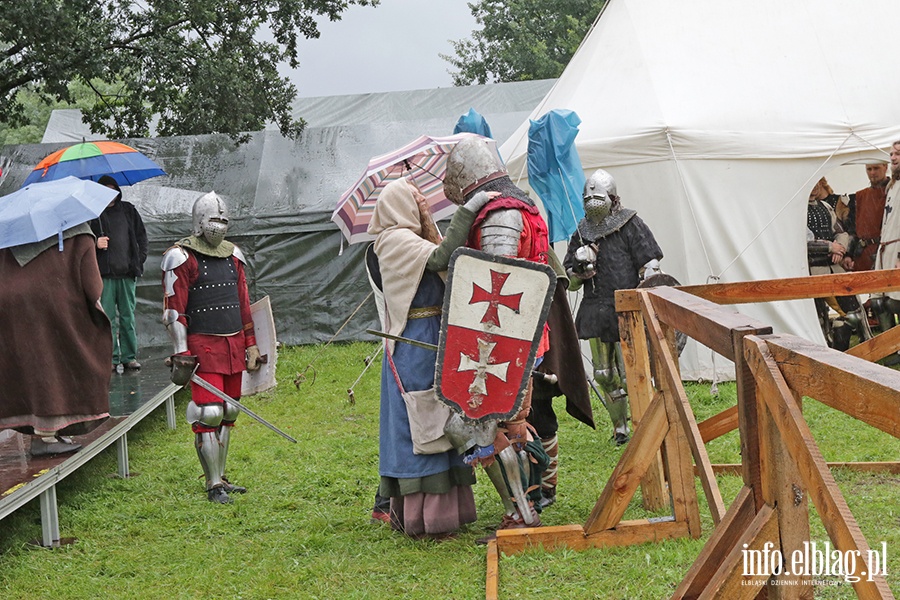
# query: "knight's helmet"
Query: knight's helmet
600,198
471,161
210,218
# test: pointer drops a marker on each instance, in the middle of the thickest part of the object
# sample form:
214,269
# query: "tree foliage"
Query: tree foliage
521,39
198,66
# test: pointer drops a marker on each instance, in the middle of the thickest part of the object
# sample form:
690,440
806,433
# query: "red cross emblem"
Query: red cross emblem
494,298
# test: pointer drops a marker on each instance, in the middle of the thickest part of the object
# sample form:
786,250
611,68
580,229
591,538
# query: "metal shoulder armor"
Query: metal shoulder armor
237,253
173,258
500,232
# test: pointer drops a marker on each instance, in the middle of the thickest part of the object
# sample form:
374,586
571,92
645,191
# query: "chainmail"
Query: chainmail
818,220
506,187
591,231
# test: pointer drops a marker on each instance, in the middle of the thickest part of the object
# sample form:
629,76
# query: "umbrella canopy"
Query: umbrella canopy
93,160
423,160
554,170
473,122
41,210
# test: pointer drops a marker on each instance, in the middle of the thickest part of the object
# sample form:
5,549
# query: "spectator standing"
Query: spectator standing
121,251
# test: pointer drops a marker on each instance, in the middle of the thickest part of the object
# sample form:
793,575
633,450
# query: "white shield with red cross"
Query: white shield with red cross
494,313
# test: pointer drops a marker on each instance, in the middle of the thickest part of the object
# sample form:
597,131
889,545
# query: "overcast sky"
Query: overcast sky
391,47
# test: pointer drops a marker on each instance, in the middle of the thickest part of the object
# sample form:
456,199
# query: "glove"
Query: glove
253,357
183,366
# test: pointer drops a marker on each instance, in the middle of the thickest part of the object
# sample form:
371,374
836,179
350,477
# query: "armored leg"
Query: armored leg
231,414
884,312
609,373
205,420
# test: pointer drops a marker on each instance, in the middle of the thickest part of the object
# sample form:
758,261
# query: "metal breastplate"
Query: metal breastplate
818,220
213,303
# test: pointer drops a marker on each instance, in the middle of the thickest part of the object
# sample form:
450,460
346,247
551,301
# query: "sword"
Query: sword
228,399
548,377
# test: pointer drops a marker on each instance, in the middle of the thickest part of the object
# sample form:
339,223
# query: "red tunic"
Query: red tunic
224,354
869,212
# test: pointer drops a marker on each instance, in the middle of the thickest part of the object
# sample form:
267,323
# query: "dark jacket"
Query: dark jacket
130,255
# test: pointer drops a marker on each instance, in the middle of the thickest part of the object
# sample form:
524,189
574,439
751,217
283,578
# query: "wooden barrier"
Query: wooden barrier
781,464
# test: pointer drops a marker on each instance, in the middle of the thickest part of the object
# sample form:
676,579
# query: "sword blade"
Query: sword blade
226,398
397,338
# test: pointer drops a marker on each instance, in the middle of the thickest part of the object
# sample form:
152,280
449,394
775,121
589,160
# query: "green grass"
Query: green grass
303,531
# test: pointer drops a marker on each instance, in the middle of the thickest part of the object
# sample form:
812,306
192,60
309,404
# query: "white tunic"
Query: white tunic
887,255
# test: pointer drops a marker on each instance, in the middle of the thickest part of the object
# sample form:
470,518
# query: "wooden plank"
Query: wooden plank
672,381
729,581
718,425
830,504
878,347
864,467
796,288
865,391
747,416
626,476
782,486
655,496
492,578
677,461
723,538
700,319
626,533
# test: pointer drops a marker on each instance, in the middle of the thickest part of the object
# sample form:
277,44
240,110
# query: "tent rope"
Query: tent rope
804,186
688,196
351,397
301,377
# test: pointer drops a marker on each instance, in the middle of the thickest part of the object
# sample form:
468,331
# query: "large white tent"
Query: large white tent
716,117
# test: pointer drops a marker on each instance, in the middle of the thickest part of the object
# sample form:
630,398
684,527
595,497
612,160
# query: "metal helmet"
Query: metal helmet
470,161
600,197
210,218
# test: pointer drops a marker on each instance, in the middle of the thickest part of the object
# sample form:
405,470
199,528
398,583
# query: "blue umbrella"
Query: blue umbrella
555,172
40,210
473,122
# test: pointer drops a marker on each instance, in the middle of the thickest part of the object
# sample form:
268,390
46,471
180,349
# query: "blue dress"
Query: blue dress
415,366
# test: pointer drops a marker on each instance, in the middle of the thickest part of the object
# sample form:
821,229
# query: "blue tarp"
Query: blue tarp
555,172
473,122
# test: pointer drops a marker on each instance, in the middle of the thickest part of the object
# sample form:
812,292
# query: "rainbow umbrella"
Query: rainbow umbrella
423,160
93,160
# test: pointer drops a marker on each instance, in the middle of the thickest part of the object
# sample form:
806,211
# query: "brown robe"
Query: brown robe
56,362
869,213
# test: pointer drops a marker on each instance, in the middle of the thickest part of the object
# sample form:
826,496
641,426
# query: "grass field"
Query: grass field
303,530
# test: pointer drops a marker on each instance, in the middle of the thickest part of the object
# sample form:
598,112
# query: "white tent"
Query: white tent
716,117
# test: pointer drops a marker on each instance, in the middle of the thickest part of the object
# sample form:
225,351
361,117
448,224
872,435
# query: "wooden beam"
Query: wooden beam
748,415
700,319
718,425
796,288
654,495
863,467
729,581
492,579
865,391
625,533
626,476
672,381
878,347
830,504
723,538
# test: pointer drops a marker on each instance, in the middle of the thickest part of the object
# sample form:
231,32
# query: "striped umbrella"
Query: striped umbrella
423,160
93,160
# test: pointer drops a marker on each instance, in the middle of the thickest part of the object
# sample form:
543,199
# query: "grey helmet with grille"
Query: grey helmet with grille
471,162
210,217
600,198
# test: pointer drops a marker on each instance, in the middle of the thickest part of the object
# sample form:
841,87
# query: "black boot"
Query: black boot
218,494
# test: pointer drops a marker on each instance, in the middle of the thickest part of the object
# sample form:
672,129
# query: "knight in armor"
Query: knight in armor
827,245
612,249
206,311
511,225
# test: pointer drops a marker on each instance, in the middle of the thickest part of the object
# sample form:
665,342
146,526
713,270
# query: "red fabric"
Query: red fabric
215,353
869,212
534,241
230,384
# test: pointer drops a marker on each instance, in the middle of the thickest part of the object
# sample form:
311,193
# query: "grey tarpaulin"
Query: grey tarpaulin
281,194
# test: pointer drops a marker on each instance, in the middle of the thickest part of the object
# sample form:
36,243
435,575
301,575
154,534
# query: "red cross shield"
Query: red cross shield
495,308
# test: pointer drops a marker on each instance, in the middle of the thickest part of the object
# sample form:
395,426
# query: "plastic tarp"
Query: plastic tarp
716,119
281,194
554,171
473,122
